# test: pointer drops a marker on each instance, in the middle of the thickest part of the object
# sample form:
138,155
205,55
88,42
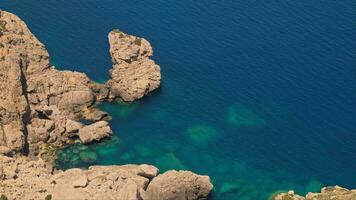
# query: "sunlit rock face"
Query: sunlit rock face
133,74
327,193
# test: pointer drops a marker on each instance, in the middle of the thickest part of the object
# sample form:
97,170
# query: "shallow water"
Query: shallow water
260,96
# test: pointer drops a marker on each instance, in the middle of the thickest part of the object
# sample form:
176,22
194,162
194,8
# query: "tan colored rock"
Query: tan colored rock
178,185
134,74
327,193
94,132
128,191
35,98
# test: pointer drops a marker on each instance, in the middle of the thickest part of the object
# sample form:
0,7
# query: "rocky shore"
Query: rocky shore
327,193
42,109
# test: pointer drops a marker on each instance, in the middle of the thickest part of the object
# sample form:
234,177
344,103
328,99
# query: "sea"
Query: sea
258,95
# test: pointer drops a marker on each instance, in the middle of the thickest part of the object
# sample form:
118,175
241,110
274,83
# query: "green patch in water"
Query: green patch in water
201,135
169,161
120,109
88,156
127,156
143,151
241,116
313,186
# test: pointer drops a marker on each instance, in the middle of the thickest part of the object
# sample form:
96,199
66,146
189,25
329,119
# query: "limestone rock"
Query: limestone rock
94,132
178,185
327,193
134,74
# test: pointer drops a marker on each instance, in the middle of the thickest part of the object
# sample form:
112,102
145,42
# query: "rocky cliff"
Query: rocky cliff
41,109
327,193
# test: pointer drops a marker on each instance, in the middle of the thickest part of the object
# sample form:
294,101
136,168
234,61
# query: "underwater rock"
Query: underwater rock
169,161
228,187
134,74
88,156
241,116
120,109
143,151
127,156
313,185
201,135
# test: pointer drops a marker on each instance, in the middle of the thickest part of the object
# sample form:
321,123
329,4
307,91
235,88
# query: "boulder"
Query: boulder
94,132
178,185
133,74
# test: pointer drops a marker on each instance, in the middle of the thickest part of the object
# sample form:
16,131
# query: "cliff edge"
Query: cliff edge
41,109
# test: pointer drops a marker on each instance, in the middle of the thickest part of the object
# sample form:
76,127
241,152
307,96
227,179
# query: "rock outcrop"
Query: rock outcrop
36,100
178,185
133,74
42,108
327,193
25,179
94,132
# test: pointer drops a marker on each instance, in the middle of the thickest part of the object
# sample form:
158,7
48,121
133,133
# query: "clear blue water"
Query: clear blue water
259,95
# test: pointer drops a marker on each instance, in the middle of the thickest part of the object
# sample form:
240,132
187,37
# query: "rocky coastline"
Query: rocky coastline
41,109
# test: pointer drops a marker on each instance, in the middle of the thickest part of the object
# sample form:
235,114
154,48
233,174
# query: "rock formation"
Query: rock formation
134,74
41,109
36,100
25,179
327,193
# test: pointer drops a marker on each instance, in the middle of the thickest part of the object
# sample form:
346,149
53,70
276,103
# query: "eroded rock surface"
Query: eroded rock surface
133,74
25,179
94,132
37,101
327,193
183,185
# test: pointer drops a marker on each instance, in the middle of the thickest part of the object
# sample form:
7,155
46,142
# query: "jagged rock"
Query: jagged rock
134,74
94,132
128,191
148,171
95,114
73,126
22,178
327,193
35,98
178,185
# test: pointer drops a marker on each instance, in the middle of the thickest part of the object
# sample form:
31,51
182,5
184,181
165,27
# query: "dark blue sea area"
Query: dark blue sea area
259,95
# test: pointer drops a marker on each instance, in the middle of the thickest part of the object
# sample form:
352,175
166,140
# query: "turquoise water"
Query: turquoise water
260,96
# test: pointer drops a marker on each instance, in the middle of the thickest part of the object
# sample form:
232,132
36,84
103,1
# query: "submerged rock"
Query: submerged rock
201,135
143,151
241,116
88,156
121,110
134,74
169,161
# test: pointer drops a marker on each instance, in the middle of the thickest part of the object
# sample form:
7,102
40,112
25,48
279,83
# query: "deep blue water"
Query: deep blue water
259,95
